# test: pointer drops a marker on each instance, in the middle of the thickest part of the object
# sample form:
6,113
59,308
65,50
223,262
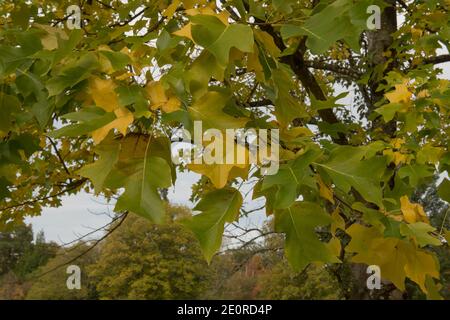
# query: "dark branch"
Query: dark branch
438,59
74,185
354,74
87,250
58,155
259,103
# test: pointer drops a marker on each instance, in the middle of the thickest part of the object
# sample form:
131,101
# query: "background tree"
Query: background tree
20,256
141,260
13,246
50,281
281,283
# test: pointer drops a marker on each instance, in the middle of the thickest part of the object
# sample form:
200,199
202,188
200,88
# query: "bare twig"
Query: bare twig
86,251
74,185
55,148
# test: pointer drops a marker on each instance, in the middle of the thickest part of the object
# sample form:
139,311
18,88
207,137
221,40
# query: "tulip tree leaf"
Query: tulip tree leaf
217,208
298,222
216,37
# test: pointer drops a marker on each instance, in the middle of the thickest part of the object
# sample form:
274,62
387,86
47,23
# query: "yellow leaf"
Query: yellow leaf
124,119
157,93
396,258
395,156
217,173
159,99
124,75
103,94
419,265
397,142
324,191
170,10
221,173
254,65
423,94
50,41
189,4
222,16
401,94
338,221
335,246
185,32
268,42
416,33
412,212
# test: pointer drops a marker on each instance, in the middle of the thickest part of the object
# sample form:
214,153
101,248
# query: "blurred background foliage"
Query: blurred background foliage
141,260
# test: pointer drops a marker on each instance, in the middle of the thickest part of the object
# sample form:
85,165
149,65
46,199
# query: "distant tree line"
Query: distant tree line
141,260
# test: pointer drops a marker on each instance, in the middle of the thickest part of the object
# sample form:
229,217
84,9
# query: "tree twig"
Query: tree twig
55,148
86,251
74,185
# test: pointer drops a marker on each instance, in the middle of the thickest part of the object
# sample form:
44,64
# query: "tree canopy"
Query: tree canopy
95,108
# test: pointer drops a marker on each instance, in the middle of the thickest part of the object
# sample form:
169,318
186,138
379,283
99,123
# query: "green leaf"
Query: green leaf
97,172
289,177
133,95
347,169
323,28
141,194
287,107
283,5
433,289
389,110
9,106
209,32
200,73
90,120
118,60
373,217
4,191
415,173
342,19
178,117
420,232
327,104
72,74
444,190
302,245
217,208
208,109
66,47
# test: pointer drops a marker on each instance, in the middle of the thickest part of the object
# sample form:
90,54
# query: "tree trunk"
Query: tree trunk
378,43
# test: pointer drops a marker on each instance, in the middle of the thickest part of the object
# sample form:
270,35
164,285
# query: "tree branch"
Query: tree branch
58,155
297,64
87,250
74,185
353,74
438,59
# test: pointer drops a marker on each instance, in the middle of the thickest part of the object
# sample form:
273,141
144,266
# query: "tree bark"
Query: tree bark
378,43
